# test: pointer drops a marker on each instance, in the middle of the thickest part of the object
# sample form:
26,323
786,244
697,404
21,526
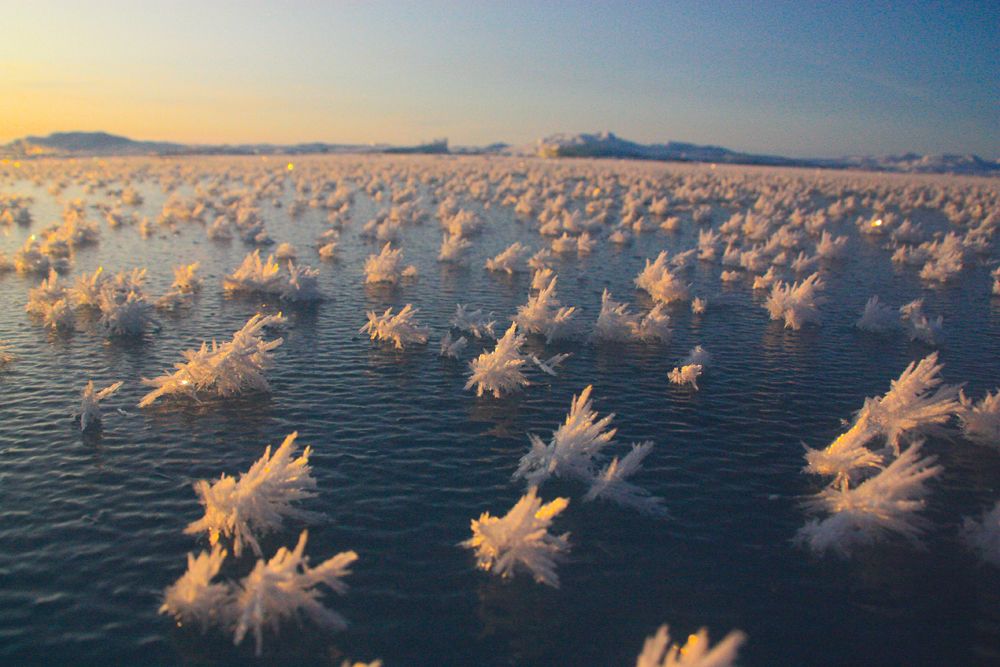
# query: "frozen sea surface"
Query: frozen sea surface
91,525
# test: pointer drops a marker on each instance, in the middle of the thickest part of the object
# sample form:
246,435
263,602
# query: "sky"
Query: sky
799,78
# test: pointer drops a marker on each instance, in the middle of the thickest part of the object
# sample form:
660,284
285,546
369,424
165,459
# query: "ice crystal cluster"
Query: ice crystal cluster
386,267
661,284
500,371
544,315
119,302
265,277
508,261
659,651
797,303
258,502
981,421
574,451
281,588
473,322
616,323
285,587
90,409
690,367
880,492
400,328
227,369
521,539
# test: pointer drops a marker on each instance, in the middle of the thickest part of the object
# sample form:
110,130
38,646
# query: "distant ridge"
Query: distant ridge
599,145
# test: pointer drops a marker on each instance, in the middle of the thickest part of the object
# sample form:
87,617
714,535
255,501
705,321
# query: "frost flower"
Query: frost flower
521,538
286,587
259,501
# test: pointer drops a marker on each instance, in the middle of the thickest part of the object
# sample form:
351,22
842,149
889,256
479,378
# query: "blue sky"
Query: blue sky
793,78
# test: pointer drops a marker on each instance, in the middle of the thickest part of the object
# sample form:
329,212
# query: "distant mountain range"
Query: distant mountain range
602,145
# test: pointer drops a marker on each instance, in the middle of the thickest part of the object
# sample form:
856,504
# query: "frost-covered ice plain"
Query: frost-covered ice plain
884,552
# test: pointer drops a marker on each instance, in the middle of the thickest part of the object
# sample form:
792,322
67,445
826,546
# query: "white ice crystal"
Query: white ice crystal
59,316
920,327
254,276
878,318
521,538
385,267
400,328
614,323
86,291
453,248
124,313
829,247
232,368
543,314
549,365
915,402
90,409
451,348
846,454
302,284
573,447
259,501
887,503
981,421
286,587
541,277
510,260
797,304
686,374
611,482
660,283
767,280
193,598
186,278
945,259
983,536
657,651
501,370
473,322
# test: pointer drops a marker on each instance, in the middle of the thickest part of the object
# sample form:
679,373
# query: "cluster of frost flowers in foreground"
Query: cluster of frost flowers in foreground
871,497
521,539
400,328
284,587
229,369
658,651
259,501
573,451
887,503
